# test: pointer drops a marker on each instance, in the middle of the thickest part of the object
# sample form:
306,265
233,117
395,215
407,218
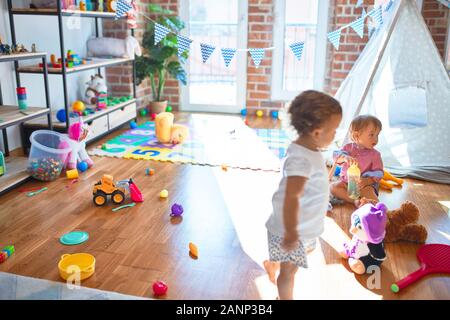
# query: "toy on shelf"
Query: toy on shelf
61,115
22,98
96,91
103,47
434,258
111,5
132,15
78,132
385,184
106,187
82,5
6,253
159,288
78,107
168,132
2,164
4,48
72,60
368,226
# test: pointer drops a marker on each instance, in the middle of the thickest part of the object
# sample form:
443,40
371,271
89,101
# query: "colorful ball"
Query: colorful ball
274,114
244,112
82,166
164,194
153,116
169,109
143,112
159,288
78,106
133,125
61,115
259,113
177,210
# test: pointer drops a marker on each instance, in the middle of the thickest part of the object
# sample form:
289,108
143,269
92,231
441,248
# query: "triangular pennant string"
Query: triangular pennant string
358,26
206,50
297,49
122,7
228,54
257,55
160,32
183,44
335,38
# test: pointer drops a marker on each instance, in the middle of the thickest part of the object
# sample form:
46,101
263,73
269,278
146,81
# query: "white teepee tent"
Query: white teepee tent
400,78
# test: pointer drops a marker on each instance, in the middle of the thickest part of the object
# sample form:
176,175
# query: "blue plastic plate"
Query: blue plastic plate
73,238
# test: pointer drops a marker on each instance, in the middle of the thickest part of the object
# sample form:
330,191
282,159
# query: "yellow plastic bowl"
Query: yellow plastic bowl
81,262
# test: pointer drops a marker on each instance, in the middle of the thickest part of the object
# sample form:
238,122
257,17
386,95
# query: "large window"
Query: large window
296,21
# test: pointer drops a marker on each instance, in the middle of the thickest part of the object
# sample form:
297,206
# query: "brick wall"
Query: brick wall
340,62
260,35
436,16
119,78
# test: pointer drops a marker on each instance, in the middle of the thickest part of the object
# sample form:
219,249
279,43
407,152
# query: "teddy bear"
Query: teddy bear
368,227
402,223
168,132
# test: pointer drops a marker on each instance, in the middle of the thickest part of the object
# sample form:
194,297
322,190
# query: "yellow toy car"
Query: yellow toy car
106,187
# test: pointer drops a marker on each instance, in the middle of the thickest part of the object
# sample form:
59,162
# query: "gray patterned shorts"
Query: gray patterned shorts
296,256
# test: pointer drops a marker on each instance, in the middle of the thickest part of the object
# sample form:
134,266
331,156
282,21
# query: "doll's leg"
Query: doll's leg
85,157
72,162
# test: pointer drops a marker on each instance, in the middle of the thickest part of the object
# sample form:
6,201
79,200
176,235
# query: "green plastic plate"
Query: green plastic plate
73,238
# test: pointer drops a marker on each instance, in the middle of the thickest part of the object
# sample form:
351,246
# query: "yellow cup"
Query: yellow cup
72,174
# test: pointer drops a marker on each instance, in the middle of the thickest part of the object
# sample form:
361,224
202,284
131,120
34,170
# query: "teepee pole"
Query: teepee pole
377,63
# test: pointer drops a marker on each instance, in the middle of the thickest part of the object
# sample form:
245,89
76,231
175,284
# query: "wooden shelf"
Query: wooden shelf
57,124
11,115
22,56
15,172
94,63
54,12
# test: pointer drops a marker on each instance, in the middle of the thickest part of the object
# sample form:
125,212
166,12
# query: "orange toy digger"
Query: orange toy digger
106,187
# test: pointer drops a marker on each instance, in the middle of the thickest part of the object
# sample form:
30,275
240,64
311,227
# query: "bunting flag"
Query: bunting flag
359,3
257,55
122,7
371,28
377,15
207,50
228,54
358,26
335,38
160,32
297,49
364,13
183,44
388,6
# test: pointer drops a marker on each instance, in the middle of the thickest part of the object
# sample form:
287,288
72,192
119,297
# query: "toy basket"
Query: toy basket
48,154
84,263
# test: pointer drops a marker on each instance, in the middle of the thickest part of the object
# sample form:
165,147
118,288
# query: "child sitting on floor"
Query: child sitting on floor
300,203
364,131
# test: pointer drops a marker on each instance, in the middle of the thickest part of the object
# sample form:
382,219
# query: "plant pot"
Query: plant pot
158,106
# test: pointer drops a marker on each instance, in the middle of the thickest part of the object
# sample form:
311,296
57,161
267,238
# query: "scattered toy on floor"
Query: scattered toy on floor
149,172
106,187
366,249
169,109
143,112
274,114
133,125
193,250
244,112
74,238
153,116
84,263
259,113
30,194
78,133
164,194
434,258
82,166
168,132
159,288
136,194
72,174
6,253
385,184
124,206
176,210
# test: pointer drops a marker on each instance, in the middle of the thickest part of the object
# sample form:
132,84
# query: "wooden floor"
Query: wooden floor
224,216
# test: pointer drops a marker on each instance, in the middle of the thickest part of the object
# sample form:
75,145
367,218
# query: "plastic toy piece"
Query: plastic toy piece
124,206
149,172
2,164
389,177
177,210
153,116
164,194
133,125
193,250
82,166
224,167
72,174
143,112
74,238
244,112
259,113
159,288
353,175
30,194
84,261
169,109
71,183
136,194
106,187
274,114
6,253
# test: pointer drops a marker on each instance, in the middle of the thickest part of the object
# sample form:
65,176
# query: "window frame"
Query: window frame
277,92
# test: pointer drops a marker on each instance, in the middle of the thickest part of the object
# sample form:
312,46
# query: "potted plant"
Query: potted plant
159,61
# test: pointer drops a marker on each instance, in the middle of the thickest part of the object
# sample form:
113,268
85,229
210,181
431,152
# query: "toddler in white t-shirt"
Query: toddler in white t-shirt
301,201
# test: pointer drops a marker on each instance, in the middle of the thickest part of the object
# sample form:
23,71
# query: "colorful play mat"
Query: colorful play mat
276,140
213,140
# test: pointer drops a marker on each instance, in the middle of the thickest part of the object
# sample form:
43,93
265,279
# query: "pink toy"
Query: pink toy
136,194
78,133
132,16
159,288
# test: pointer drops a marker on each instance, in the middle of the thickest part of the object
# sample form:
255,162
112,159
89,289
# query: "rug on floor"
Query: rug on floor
213,140
276,140
15,287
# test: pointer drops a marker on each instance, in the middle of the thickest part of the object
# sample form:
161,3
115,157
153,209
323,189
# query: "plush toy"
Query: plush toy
402,223
132,16
78,132
112,47
168,132
366,247
96,87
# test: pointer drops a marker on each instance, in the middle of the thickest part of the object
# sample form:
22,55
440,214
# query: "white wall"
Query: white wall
43,31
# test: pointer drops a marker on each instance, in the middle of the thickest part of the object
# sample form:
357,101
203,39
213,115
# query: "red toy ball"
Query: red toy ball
153,116
159,288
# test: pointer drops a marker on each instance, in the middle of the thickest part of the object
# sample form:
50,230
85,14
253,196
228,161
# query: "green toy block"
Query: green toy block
9,250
